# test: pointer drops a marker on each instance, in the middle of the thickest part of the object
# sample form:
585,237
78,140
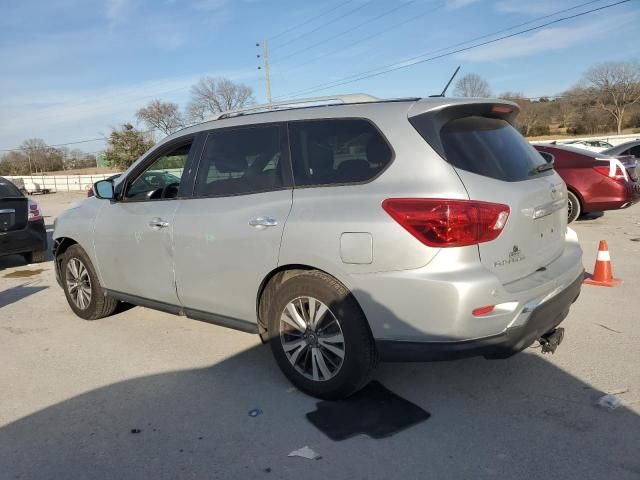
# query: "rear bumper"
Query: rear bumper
622,195
32,238
543,318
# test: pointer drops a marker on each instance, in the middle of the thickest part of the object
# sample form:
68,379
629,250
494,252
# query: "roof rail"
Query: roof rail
303,102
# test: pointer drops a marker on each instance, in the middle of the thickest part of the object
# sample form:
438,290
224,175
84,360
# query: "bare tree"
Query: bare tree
472,85
163,116
534,117
614,86
213,95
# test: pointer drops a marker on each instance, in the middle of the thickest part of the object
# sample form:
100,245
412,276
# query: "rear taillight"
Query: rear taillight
448,223
618,174
34,211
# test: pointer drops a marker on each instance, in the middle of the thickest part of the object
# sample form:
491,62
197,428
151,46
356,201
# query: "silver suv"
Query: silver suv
343,231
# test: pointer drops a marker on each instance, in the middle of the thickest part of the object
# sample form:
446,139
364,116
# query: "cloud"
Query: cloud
547,40
455,4
210,5
116,10
526,6
60,116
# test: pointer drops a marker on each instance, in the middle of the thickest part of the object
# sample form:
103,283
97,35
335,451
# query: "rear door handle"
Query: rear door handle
157,223
263,222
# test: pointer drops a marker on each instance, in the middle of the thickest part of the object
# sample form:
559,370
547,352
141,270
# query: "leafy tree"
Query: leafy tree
126,145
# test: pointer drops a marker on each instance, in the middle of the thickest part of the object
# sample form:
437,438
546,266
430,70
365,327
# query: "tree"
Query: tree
534,117
614,86
213,95
126,145
163,116
472,85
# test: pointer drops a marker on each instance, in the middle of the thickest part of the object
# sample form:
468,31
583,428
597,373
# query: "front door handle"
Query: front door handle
263,222
157,223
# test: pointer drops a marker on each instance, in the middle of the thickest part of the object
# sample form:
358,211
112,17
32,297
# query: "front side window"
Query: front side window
326,152
161,180
241,161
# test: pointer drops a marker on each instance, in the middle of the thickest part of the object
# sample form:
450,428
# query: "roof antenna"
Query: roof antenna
447,85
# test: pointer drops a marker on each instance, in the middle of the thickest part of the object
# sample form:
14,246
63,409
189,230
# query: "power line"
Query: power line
360,7
410,62
57,144
284,32
381,32
348,30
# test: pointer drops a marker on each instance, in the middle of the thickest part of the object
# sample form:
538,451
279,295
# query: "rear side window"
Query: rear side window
7,189
330,152
241,161
490,147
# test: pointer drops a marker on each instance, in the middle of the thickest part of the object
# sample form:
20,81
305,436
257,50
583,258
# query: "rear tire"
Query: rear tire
85,295
36,257
574,208
330,356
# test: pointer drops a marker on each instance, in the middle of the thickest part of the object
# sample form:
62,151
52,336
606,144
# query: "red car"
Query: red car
595,181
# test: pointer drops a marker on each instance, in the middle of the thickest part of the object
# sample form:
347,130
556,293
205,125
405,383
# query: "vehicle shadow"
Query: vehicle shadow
15,294
590,216
514,418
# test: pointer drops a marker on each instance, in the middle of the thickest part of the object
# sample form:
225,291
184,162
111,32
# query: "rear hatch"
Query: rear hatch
13,208
496,164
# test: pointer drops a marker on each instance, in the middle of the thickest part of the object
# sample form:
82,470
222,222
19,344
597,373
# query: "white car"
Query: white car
591,145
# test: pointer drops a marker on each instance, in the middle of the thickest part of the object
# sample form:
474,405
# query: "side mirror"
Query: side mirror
103,189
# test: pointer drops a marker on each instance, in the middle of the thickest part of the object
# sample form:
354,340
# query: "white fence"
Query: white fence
57,183
612,139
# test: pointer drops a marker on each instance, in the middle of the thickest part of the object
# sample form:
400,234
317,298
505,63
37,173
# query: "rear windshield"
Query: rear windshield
8,189
490,147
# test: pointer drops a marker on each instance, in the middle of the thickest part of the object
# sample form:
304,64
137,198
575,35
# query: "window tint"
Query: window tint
489,147
161,180
243,160
325,152
8,189
635,151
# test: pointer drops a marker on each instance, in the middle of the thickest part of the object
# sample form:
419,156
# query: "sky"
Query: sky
74,69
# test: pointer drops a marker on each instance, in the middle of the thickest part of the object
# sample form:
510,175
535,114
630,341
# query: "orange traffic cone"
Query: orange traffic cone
602,272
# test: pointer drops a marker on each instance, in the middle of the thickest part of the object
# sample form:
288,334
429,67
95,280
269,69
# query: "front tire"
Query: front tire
85,295
574,208
320,337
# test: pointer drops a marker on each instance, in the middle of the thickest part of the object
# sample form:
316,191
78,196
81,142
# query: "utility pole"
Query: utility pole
267,76
29,159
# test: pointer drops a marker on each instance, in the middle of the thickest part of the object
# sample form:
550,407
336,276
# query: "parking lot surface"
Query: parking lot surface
72,392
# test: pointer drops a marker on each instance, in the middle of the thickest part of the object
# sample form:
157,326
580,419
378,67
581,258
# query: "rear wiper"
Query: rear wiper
541,168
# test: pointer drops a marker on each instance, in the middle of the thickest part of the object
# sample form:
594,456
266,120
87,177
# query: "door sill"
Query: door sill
215,319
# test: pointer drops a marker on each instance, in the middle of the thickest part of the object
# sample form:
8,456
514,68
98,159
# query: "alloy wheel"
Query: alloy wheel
312,338
78,283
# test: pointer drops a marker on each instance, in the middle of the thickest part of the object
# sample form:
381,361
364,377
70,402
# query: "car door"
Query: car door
227,238
133,236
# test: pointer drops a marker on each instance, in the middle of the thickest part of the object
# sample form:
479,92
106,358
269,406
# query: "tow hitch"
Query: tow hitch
551,340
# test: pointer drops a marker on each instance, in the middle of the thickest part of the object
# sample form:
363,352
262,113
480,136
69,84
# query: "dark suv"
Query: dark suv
22,228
